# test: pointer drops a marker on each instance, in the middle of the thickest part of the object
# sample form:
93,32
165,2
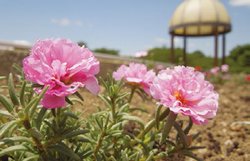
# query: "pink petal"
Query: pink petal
52,101
92,85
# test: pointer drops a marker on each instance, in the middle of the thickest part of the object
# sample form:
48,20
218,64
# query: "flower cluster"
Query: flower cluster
63,66
182,89
224,69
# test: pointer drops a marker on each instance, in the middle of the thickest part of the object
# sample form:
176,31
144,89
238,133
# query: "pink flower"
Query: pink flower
215,70
63,66
224,68
185,91
135,75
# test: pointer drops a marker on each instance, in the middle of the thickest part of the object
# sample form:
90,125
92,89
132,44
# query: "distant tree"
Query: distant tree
162,54
106,51
239,51
82,43
244,59
239,59
197,53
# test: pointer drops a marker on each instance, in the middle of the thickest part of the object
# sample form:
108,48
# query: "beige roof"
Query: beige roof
200,18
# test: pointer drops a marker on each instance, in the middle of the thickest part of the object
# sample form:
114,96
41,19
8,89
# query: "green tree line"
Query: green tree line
238,58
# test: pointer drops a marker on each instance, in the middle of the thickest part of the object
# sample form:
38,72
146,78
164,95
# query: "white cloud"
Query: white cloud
61,22
165,41
240,2
161,40
68,22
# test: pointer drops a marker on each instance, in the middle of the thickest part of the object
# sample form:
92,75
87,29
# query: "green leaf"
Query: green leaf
122,96
151,156
6,103
189,126
17,139
117,125
181,134
72,115
106,100
99,123
64,150
196,147
68,101
15,148
191,155
6,127
6,114
157,116
40,117
12,92
79,95
30,104
17,68
82,139
2,78
35,133
124,107
75,133
135,119
87,153
22,92
76,100
40,96
31,158
138,109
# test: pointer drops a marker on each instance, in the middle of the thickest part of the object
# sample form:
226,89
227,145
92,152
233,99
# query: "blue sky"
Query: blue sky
125,25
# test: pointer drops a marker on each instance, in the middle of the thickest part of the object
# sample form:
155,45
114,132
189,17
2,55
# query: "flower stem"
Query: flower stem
99,143
168,125
150,125
131,94
113,110
42,151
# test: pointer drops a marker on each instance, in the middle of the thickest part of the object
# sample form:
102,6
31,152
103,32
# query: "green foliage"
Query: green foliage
244,59
239,59
29,131
107,51
163,54
238,51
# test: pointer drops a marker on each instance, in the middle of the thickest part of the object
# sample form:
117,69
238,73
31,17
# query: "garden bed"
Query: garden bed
226,137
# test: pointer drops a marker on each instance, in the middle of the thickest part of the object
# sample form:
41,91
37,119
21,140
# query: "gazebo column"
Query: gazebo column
216,49
172,54
223,49
185,51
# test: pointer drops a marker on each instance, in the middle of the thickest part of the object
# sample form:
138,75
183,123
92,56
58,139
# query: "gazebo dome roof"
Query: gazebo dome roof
200,18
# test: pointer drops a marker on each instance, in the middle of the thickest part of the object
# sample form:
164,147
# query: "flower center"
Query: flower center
66,80
180,97
133,84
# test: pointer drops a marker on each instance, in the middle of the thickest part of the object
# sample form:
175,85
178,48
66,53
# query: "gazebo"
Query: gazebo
200,18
